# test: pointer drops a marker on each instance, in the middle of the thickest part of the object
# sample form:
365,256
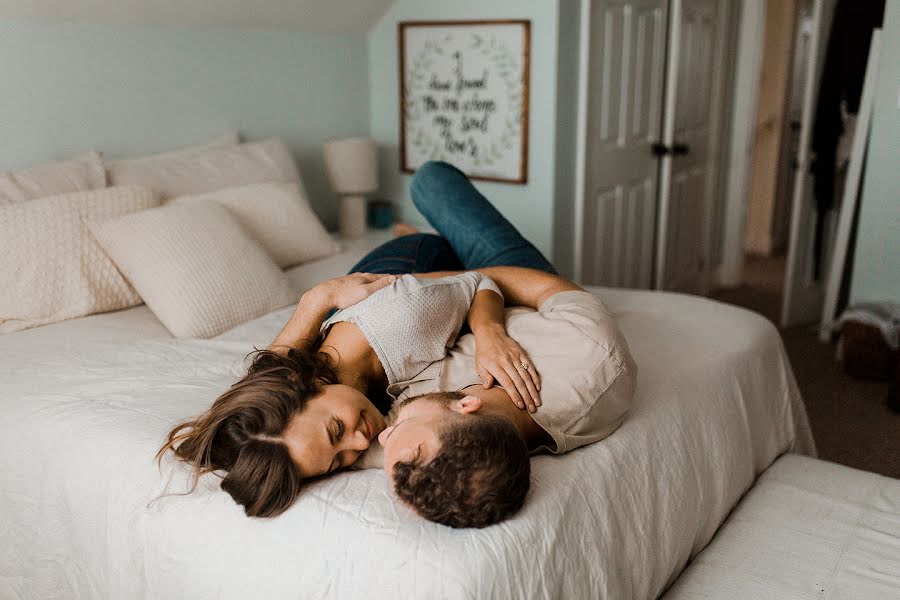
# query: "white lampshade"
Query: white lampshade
352,165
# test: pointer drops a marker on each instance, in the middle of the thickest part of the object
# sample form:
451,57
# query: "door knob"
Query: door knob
659,149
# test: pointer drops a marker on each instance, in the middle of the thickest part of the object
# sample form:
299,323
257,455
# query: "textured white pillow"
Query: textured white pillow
195,267
52,268
150,161
82,173
279,216
210,170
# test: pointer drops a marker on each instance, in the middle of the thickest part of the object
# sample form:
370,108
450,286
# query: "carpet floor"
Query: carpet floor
850,419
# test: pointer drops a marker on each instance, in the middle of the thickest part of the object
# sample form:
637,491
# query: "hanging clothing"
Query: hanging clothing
842,81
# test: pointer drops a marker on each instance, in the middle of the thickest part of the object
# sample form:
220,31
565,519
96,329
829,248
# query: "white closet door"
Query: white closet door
687,172
625,78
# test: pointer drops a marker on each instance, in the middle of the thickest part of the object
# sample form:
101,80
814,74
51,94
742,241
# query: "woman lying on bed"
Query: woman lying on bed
314,400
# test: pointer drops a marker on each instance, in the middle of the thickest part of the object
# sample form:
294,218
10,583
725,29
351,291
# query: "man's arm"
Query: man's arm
520,286
498,356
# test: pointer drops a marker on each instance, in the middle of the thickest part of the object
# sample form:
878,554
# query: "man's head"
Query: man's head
453,465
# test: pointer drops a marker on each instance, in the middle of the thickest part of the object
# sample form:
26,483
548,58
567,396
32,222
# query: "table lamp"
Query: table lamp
352,167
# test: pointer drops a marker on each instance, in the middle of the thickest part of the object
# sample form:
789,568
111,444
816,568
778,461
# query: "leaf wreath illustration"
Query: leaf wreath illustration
505,65
509,70
413,106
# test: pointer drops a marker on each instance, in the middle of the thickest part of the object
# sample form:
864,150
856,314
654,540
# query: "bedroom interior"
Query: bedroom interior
175,175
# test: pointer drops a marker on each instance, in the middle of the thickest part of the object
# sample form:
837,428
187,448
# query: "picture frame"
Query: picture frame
464,96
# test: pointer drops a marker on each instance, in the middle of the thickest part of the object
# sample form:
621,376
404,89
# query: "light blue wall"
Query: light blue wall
876,271
130,90
529,207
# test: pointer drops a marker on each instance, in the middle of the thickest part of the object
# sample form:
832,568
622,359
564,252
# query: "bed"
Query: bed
84,405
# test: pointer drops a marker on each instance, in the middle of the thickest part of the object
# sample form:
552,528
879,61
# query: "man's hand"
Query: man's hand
499,357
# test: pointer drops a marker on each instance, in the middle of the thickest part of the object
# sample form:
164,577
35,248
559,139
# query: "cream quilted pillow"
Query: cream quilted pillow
209,170
81,173
279,216
194,266
52,268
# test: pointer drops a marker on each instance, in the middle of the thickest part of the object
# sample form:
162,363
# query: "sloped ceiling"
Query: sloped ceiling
298,15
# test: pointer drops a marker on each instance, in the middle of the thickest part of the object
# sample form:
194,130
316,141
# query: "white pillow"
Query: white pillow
147,162
279,216
195,267
210,170
52,268
82,173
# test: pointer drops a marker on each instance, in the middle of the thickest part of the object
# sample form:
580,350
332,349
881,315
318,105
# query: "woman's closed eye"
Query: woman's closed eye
336,433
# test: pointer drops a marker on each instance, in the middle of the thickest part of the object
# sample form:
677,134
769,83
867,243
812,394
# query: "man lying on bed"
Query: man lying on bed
313,402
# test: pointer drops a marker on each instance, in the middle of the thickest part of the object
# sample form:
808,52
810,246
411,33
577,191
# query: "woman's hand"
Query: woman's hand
499,357
348,290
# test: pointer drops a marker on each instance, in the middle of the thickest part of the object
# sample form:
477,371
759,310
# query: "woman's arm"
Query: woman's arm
498,356
303,326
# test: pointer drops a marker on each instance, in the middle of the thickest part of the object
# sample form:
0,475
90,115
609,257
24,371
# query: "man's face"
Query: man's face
416,423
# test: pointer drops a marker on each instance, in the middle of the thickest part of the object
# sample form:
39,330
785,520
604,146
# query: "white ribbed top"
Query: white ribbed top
413,322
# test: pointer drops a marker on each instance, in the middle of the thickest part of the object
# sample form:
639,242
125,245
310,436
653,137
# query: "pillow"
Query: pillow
277,215
195,267
147,162
82,173
210,170
52,268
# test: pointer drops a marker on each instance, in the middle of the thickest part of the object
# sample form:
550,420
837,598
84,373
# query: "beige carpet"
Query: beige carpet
850,419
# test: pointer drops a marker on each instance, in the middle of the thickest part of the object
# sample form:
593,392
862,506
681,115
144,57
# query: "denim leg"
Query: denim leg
416,253
478,233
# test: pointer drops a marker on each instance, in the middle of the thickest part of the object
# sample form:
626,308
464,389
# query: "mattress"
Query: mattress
808,529
85,404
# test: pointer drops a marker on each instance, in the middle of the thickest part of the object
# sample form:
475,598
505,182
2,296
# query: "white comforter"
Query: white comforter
85,404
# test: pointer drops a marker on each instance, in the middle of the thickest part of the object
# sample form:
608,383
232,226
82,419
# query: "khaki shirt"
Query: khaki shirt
587,372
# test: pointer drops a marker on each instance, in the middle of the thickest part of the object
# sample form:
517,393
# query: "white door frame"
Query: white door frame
714,189
751,42
584,53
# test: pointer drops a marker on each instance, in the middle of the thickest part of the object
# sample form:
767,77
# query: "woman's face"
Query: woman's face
333,430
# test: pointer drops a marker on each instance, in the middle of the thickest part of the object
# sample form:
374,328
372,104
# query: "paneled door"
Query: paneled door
626,60
688,166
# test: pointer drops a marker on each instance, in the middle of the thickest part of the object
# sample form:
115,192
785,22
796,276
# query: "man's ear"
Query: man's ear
468,404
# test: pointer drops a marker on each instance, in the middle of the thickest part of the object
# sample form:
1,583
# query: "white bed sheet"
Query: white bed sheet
84,406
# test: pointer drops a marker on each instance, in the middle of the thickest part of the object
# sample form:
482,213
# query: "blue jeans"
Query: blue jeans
473,234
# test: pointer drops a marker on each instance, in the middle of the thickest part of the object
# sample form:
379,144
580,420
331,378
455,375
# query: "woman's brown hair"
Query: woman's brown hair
241,433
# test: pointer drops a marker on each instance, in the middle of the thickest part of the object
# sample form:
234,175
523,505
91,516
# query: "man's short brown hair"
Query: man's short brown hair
480,476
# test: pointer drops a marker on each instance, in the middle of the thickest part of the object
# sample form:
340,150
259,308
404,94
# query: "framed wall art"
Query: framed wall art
464,96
